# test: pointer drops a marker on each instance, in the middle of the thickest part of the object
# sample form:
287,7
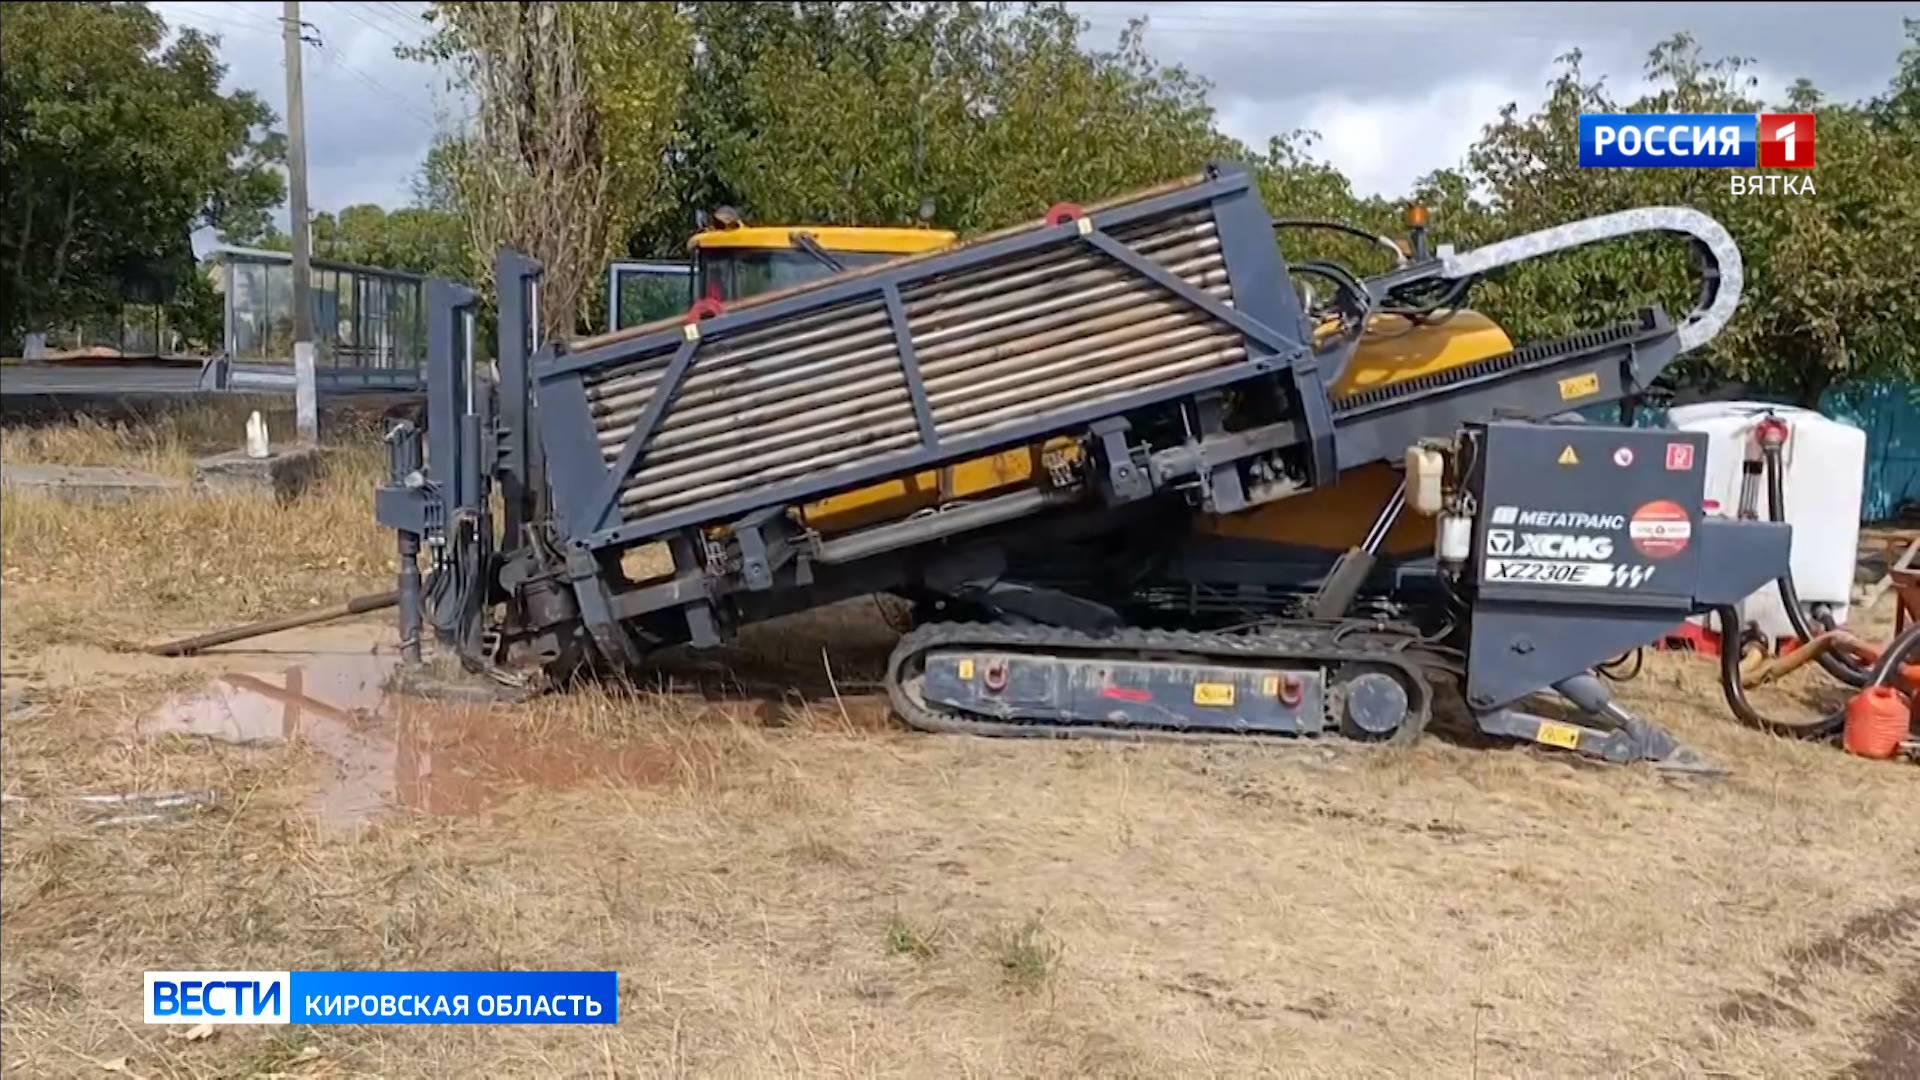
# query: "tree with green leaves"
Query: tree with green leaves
574,107
854,114
116,145
807,112
1830,278
419,239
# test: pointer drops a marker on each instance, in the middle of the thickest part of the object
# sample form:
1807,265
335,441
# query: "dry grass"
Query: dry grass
115,573
790,889
812,899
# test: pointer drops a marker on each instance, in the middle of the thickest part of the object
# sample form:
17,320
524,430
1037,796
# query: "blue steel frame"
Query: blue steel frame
586,491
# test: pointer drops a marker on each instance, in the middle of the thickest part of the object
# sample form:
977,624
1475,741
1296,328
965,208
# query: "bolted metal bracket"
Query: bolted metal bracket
1121,478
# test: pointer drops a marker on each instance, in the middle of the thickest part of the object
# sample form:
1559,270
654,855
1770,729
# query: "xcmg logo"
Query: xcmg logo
1549,545
218,997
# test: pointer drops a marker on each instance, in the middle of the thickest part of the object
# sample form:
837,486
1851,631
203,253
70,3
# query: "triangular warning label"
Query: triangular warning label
1568,457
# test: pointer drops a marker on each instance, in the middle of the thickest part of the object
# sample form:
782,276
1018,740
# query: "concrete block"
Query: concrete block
87,482
284,474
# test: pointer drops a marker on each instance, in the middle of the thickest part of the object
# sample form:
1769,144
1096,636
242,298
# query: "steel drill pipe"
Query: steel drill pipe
982,423
793,430
1063,261
1135,362
707,387
630,390
692,487
1201,270
880,391
1085,356
965,379
784,386
1090,369
1060,257
864,315
1077,331
677,492
704,385
960,318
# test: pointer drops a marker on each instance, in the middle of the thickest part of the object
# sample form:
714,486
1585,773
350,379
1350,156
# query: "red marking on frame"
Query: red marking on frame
1660,529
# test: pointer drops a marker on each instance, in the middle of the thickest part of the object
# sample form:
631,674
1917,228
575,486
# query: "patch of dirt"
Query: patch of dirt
1893,1053
387,750
1862,940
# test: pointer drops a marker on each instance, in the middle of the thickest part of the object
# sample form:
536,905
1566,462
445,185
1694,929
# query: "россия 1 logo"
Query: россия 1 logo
1704,141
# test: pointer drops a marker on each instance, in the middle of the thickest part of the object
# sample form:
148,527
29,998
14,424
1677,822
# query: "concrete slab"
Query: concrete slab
88,481
284,474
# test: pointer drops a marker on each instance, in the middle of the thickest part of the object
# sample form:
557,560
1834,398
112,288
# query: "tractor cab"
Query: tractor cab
732,261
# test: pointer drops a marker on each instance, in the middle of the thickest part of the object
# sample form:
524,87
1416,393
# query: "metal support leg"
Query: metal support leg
409,597
610,637
1350,570
1611,733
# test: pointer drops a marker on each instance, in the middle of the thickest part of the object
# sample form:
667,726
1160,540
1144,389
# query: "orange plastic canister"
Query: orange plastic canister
1878,719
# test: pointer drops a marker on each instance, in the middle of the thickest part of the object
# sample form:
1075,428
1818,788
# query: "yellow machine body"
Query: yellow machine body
1338,516
858,240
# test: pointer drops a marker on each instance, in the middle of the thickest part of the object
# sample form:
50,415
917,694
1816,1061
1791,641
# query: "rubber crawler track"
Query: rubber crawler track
1331,646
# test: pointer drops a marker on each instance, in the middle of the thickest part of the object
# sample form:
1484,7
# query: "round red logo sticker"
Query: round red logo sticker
1660,530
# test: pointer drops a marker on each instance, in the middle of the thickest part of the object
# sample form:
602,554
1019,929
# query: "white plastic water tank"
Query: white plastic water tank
1826,462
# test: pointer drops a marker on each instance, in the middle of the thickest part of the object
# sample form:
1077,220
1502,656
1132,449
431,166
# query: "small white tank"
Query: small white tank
1826,462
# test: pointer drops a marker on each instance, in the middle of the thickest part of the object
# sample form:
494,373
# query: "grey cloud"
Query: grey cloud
1410,84
1389,71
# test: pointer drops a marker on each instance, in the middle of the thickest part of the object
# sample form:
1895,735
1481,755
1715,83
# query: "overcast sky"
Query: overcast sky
1395,89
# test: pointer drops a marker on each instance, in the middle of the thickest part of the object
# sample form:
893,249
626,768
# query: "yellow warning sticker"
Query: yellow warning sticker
1213,693
966,670
1565,736
1270,686
1568,457
1574,387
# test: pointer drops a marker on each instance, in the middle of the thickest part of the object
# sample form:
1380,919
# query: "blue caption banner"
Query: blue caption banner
454,997
1668,140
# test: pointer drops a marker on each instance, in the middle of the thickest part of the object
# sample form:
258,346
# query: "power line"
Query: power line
378,24
388,93
232,12
183,14
408,24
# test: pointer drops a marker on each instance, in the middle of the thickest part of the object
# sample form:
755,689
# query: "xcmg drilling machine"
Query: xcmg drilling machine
1135,475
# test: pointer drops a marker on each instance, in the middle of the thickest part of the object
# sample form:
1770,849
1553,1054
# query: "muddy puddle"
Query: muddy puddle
392,752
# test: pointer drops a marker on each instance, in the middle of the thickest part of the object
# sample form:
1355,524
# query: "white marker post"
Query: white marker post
306,400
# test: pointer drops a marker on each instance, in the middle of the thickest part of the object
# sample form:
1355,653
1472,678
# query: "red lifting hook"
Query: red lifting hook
1062,212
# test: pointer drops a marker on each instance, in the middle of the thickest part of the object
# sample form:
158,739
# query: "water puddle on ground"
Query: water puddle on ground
393,751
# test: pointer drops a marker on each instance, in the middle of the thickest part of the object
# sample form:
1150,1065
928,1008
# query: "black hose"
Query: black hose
1823,728
1900,650
1615,669
1343,227
1834,664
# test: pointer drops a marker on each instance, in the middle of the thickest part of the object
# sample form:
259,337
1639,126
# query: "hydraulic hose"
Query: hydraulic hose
1835,664
1822,728
1902,649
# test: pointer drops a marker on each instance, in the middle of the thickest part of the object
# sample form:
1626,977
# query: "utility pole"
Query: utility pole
305,398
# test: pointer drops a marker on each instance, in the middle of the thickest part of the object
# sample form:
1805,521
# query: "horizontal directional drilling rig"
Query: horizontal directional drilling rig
1134,476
